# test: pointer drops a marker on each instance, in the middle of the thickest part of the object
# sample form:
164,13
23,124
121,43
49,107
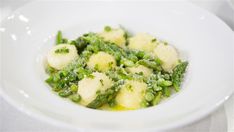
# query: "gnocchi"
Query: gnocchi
115,36
88,87
138,69
61,55
131,94
142,41
168,55
101,61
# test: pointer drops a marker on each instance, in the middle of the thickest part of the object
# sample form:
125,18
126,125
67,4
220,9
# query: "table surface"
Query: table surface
222,120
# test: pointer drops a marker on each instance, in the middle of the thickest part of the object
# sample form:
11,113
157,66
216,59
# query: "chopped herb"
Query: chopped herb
62,50
101,81
129,88
110,64
154,40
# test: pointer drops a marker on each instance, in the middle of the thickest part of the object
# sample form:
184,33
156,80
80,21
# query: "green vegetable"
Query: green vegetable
80,44
65,93
74,88
164,83
119,74
157,88
75,98
50,70
157,98
158,61
144,104
178,74
64,40
166,91
106,97
139,54
150,64
149,96
107,28
59,38
127,62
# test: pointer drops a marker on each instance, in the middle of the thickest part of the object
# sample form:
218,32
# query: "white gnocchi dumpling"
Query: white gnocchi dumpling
114,35
131,94
61,55
101,61
88,87
140,68
168,55
142,41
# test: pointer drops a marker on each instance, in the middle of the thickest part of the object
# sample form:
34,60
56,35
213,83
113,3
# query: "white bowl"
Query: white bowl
205,41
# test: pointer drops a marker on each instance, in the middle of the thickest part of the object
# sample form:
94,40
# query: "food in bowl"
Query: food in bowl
113,70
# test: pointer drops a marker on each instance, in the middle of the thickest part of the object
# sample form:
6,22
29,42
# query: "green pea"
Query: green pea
107,28
149,96
76,98
157,88
144,104
140,54
166,76
74,88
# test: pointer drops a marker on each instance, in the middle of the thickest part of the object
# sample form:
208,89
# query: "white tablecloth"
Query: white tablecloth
222,120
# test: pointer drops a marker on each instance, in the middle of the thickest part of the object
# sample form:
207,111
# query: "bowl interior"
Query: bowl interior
204,40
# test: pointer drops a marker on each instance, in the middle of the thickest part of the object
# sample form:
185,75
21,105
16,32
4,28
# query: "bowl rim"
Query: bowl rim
41,117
